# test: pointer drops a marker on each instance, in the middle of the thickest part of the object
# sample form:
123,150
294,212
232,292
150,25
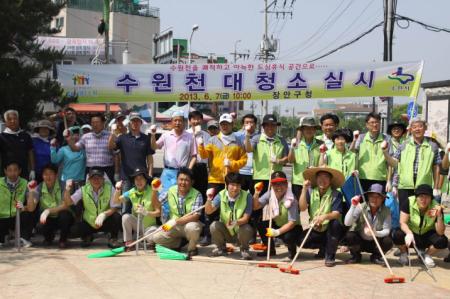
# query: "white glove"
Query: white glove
141,210
100,218
44,216
169,224
113,127
270,232
367,230
69,184
294,142
409,238
117,177
273,159
66,133
384,145
153,129
200,140
197,129
226,162
54,142
119,185
19,205
231,225
32,175
210,193
247,128
388,187
355,134
436,192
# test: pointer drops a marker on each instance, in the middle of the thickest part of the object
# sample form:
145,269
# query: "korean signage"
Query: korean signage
73,46
229,82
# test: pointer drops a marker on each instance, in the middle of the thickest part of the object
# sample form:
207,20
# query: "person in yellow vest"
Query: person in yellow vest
54,215
144,201
235,206
182,199
421,223
324,205
13,190
329,122
286,224
339,156
304,153
372,165
417,161
359,238
100,212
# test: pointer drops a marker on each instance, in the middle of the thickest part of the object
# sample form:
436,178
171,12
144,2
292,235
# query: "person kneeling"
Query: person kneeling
286,222
100,213
359,238
235,207
422,224
182,199
54,215
324,205
144,206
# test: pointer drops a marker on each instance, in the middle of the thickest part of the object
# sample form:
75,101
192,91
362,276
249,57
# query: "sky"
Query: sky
315,28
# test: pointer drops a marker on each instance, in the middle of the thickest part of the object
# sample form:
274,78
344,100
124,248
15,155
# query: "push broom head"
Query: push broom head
267,265
394,279
107,253
290,270
165,253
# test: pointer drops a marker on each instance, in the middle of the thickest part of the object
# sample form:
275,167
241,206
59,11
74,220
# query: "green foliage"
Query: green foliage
25,67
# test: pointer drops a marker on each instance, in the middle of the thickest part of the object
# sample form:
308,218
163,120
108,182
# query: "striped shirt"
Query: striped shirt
96,148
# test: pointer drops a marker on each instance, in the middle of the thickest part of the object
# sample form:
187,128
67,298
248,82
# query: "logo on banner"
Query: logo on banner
81,79
401,77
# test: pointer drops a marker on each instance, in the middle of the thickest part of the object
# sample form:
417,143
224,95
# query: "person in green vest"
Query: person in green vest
358,238
182,199
286,217
144,202
372,165
304,152
100,212
421,223
329,122
417,161
13,192
54,215
235,206
339,156
323,202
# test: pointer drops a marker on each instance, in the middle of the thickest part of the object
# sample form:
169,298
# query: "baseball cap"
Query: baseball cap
270,119
424,189
226,118
119,114
134,115
212,123
308,121
139,171
83,127
96,172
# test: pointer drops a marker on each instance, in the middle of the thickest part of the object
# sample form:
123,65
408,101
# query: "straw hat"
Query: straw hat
44,124
337,178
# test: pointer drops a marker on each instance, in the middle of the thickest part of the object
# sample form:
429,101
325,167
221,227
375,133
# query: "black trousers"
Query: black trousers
289,238
111,225
200,172
109,170
62,222
357,244
247,183
422,241
297,190
26,226
327,240
365,184
403,195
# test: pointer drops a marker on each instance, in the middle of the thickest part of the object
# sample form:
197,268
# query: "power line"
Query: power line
348,43
426,26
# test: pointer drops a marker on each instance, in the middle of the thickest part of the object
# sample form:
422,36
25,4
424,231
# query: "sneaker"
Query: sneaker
355,259
25,243
429,261
245,255
205,241
129,248
218,252
403,259
87,241
192,253
397,252
376,259
113,243
329,261
320,254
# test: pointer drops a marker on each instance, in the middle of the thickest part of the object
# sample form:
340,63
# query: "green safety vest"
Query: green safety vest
143,198
49,200
262,155
91,208
372,164
414,217
172,198
226,214
406,165
282,218
383,213
7,198
315,202
305,159
344,162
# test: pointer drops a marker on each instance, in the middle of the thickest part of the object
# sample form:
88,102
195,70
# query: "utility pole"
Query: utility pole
389,15
106,11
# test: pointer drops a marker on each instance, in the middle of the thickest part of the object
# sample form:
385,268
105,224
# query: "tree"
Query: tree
25,66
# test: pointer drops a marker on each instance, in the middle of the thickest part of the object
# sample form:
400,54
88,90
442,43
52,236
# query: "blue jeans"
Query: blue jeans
168,179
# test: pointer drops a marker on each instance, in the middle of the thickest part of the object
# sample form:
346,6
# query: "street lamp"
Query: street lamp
235,45
194,28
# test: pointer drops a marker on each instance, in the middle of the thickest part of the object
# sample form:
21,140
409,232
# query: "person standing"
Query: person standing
71,121
329,122
41,146
249,122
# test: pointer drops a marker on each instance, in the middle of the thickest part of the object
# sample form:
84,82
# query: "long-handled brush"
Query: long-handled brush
423,261
17,230
392,278
289,269
116,251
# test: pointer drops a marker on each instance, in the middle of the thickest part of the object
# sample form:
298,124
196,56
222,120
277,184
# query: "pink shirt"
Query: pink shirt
178,150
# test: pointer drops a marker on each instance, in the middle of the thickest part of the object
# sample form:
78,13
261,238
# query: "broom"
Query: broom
392,278
116,251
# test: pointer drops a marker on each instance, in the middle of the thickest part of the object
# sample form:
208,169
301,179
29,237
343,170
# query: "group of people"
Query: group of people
224,186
